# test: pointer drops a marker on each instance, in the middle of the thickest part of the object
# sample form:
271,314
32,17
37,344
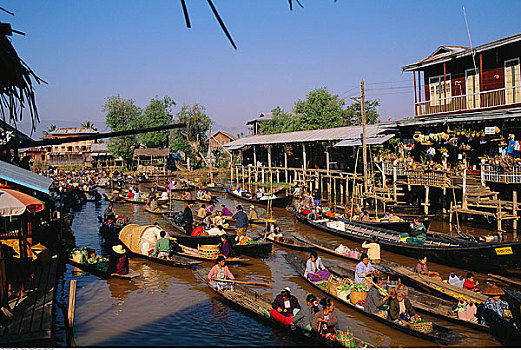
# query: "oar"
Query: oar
243,282
377,286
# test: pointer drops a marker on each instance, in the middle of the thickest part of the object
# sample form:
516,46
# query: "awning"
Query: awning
377,140
14,203
23,177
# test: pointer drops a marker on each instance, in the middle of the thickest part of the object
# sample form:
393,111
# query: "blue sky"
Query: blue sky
89,50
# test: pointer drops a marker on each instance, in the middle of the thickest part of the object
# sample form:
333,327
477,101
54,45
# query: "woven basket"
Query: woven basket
126,233
208,250
424,327
355,297
332,284
345,339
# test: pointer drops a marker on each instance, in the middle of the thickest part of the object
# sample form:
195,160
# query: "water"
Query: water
169,307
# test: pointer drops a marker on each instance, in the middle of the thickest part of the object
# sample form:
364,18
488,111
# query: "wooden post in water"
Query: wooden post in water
426,204
464,203
514,210
70,313
286,165
499,215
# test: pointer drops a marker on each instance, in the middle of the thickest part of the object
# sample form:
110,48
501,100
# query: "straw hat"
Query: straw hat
119,249
271,220
492,291
252,206
115,191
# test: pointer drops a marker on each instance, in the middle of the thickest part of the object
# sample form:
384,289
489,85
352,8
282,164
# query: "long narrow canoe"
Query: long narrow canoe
103,274
158,211
439,334
196,254
109,198
475,256
289,243
322,246
252,302
427,303
175,260
281,202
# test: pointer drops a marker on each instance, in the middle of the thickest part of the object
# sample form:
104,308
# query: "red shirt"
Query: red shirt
469,285
197,231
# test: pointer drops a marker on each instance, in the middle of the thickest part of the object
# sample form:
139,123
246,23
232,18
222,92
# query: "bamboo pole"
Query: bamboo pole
70,312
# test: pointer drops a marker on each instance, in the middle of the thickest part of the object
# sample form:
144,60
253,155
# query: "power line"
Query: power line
391,88
389,82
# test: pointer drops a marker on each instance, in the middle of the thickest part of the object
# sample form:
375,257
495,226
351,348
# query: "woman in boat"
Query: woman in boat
283,307
418,233
201,213
400,309
422,269
315,270
225,211
365,216
363,269
118,261
373,250
198,230
187,196
324,321
375,300
220,271
494,308
226,247
304,317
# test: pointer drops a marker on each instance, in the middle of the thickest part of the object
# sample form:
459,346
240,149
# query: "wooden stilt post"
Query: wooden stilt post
514,209
499,215
70,313
286,178
426,204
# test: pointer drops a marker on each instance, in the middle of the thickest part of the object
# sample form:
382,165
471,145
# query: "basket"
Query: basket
355,297
424,327
345,339
208,250
332,284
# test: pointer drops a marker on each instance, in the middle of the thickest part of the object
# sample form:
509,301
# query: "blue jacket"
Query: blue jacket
241,219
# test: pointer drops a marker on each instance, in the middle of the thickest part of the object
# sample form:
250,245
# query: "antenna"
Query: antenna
470,40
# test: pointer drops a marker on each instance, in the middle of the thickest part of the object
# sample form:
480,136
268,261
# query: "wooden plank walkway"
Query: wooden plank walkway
33,315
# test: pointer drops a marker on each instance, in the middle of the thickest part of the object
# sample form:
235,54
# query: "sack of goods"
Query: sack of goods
337,225
140,239
342,249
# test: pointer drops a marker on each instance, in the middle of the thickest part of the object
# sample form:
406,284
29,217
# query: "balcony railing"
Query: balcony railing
479,100
495,173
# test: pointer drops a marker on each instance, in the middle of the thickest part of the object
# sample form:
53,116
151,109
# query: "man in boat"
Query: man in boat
496,312
422,269
220,272
153,203
296,192
226,247
252,215
418,233
375,300
388,214
188,219
118,261
400,307
186,195
225,211
363,269
115,196
373,250
315,270
283,307
162,249
241,222
304,317
109,212
201,213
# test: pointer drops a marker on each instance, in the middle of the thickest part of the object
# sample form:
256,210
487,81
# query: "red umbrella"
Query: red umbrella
13,203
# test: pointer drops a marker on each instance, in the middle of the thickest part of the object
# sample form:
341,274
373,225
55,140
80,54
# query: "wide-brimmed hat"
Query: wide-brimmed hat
287,289
252,206
271,220
492,290
119,249
115,191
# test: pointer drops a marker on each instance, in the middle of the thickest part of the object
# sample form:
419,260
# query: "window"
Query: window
512,81
440,90
472,88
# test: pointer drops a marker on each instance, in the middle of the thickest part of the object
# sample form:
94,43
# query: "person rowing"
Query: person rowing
324,321
220,272
375,300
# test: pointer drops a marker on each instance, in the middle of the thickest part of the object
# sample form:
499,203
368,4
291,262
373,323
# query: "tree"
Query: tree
193,140
280,122
353,114
87,124
121,115
52,127
157,113
320,110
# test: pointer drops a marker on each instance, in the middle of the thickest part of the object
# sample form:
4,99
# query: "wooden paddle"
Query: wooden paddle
377,286
243,282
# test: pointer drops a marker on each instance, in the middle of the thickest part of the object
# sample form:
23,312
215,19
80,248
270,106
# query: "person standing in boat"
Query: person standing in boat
373,250
118,261
496,312
315,270
283,307
375,299
162,249
241,222
201,213
363,269
324,321
188,219
220,271
259,193
400,308
303,320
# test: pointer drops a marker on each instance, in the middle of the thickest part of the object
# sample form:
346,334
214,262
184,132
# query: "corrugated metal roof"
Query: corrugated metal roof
99,147
23,177
334,134
151,152
378,140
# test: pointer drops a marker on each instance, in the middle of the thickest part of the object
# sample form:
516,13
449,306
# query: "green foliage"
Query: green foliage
353,114
157,113
87,124
121,115
281,122
320,110
52,127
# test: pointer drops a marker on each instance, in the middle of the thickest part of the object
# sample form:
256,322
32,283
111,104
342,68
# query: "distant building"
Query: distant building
253,125
220,138
72,153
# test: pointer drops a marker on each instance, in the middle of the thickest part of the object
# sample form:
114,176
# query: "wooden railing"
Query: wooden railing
496,173
484,99
388,168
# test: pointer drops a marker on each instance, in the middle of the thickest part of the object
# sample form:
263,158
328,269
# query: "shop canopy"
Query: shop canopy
14,203
23,177
376,140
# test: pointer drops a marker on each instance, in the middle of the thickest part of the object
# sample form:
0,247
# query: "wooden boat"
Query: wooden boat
289,243
261,250
281,202
140,200
397,226
252,302
109,198
429,304
439,334
514,300
158,211
196,254
179,199
92,269
178,261
323,246
475,256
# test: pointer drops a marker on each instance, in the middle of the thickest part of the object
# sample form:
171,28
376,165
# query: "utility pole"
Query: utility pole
364,144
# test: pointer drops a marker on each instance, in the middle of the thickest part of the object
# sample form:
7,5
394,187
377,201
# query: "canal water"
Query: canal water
169,307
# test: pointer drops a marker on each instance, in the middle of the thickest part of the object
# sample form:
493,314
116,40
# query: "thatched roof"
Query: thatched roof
151,152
